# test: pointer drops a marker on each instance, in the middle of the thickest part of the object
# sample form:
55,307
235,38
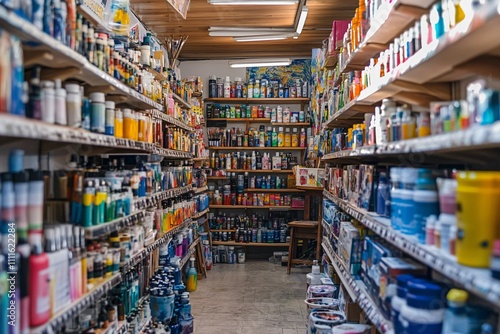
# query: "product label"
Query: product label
422,212
42,298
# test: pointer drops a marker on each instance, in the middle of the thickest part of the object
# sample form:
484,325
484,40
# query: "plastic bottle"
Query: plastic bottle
256,89
383,196
395,197
265,161
406,204
98,112
295,138
288,138
455,316
303,137
110,118
212,86
48,95
60,104
426,203
39,283
281,137
192,277
279,114
118,123
423,312
227,88
286,115
274,116
254,161
276,161
274,137
73,105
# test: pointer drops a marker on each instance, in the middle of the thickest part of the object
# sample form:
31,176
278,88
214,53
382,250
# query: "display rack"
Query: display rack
58,320
463,51
246,148
142,203
250,244
200,190
477,281
200,214
459,147
48,49
94,232
268,207
357,291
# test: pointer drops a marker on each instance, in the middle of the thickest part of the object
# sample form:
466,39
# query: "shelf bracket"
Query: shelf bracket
37,58
60,73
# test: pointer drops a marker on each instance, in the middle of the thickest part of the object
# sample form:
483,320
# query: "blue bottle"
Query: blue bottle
383,196
426,203
175,327
406,206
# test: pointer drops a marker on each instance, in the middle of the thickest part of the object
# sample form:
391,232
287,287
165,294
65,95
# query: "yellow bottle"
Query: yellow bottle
478,214
128,123
288,138
281,137
118,123
141,133
295,138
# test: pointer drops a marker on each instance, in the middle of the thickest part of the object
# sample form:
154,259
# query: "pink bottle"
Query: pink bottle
171,105
39,283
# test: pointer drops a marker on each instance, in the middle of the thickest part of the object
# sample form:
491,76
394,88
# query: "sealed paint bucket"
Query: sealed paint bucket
317,291
322,322
162,308
322,302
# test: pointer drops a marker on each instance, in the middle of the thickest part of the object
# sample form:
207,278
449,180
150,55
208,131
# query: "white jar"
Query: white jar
60,104
48,95
73,105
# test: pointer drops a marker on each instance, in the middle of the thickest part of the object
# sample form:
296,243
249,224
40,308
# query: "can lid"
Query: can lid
97,97
110,104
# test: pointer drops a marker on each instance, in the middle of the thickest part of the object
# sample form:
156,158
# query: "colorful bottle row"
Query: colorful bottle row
276,115
273,137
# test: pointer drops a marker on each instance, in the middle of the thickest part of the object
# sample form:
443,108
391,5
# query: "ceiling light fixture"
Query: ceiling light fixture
302,20
253,2
259,63
246,32
260,38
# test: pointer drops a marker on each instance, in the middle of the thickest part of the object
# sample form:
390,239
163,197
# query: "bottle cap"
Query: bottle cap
110,104
73,88
97,97
496,248
457,296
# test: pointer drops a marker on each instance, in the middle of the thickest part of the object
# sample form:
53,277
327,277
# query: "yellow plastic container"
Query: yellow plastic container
478,217
128,124
118,123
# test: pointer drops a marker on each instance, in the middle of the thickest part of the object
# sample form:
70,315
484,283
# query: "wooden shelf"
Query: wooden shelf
305,188
216,178
224,148
391,20
236,120
259,120
264,207
272,190
200,214
181,101
219,230
200,190
256,101
249,244
264,171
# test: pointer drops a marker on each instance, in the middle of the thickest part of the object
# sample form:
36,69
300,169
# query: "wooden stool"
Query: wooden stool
306,230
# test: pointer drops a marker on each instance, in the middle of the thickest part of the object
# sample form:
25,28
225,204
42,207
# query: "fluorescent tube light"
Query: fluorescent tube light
253,2
260,38
302,20
248,32
259,63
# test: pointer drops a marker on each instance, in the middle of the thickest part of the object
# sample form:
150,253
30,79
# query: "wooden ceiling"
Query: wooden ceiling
160,18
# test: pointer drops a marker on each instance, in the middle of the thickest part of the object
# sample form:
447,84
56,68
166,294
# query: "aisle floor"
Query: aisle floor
253,298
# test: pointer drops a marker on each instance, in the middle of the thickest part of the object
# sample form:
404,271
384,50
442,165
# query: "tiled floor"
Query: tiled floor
257,297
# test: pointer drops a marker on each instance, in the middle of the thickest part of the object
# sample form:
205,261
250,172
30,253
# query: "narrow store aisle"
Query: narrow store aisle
251,298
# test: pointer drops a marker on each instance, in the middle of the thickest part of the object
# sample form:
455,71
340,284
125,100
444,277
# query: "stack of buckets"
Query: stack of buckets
324,315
